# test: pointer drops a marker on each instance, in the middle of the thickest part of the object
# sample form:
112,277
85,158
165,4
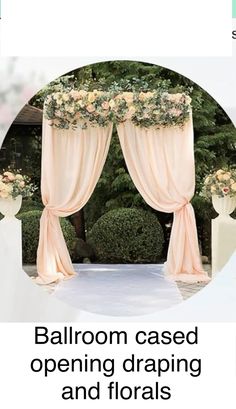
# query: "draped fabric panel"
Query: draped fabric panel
72,162
161,164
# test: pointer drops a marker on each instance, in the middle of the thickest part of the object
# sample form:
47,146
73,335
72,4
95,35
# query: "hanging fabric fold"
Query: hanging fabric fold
161,165
72,162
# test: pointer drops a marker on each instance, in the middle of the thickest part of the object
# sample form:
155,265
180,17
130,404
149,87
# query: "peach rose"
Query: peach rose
22,184
142,96
175,97
6,188
9,175
233,186
175,112
90,108
4,195
128,97
226,176
74,93
219,172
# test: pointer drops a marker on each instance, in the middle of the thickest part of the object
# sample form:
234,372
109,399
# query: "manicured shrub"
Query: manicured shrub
127,236
30,234
83,250
204,213
29,204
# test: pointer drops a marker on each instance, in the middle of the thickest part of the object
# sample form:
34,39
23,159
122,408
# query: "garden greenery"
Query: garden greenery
127,236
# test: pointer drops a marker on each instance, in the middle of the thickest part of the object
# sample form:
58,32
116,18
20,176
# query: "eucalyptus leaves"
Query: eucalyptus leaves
146,109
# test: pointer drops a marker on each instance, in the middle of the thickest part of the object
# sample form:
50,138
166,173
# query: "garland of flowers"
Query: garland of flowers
220,183
145,109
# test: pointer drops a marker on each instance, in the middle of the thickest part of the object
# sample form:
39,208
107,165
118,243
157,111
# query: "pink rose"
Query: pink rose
90,108
9,175
225,190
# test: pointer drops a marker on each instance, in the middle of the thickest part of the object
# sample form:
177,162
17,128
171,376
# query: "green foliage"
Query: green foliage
127,236
30,204
30,234
83,250
204,212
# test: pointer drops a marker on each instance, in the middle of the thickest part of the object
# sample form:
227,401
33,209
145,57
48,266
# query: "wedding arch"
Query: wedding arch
155,130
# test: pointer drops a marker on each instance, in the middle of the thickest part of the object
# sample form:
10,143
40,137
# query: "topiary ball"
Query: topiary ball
127,236
30,234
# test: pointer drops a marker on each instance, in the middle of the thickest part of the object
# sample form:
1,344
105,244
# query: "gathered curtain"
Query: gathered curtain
161,165
72,161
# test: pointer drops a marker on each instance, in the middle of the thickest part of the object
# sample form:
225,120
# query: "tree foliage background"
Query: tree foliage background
215,138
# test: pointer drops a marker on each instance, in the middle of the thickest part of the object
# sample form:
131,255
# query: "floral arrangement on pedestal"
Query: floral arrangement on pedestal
220,183
13,184
146,109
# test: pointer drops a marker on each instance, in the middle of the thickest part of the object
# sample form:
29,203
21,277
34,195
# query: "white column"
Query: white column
223,241
10,246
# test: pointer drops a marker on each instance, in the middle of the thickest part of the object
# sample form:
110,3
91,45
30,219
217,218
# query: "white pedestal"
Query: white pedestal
10,245
223,241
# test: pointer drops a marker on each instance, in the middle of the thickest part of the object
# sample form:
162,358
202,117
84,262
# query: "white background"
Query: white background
215,388
121,28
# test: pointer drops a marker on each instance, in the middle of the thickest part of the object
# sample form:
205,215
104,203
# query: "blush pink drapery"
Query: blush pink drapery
72,161
161,165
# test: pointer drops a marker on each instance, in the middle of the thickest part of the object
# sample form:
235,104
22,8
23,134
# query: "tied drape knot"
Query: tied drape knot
187,205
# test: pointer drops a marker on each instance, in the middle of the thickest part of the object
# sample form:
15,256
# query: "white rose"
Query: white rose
9,188
112,103
91,97
65,97
226,176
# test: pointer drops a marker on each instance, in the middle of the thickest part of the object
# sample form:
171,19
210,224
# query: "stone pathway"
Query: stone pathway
187,290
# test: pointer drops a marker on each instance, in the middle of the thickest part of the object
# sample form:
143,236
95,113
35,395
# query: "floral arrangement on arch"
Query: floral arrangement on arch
146,109
13,184
220,183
